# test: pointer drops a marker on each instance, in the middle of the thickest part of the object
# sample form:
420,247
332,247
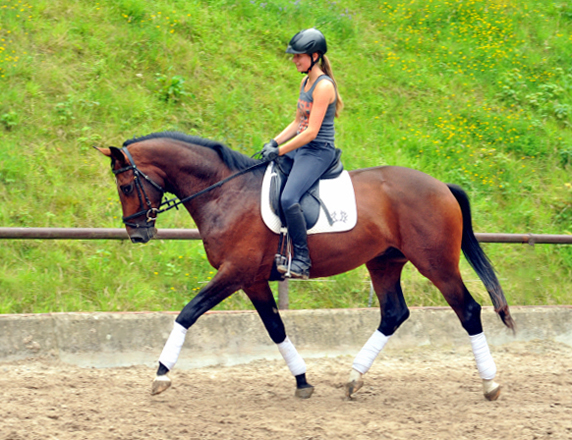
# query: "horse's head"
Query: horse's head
139,194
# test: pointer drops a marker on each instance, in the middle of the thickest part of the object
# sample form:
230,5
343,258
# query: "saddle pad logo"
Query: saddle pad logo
337,194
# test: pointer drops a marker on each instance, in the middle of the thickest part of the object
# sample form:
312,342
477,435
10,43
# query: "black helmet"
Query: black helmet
308,41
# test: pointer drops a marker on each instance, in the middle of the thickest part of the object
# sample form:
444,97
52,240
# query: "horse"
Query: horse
404,215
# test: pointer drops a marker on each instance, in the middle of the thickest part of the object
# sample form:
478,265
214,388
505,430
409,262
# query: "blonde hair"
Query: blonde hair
327,68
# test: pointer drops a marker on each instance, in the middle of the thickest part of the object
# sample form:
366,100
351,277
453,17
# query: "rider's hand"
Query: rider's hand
270,150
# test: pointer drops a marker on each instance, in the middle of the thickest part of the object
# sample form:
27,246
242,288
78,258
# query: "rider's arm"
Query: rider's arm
324,94
289,132
292,129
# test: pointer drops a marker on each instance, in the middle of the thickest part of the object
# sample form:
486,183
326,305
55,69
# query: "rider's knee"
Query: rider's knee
286,202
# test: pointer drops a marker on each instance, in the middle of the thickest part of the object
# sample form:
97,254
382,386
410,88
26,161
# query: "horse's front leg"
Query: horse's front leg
209,296
263,300
386,278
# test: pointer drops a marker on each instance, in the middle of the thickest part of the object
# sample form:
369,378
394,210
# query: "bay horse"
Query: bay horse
403,215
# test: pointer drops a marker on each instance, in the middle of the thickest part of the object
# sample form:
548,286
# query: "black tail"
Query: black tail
479,260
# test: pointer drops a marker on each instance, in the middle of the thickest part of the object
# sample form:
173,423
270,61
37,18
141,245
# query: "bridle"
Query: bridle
152,213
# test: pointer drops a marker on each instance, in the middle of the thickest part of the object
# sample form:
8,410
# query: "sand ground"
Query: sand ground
423,393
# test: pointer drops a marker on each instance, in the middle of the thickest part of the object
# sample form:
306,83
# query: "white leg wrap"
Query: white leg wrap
293,359
485,363
369,352
173,346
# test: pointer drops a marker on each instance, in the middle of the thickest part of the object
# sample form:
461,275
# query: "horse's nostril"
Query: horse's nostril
141,235
137,239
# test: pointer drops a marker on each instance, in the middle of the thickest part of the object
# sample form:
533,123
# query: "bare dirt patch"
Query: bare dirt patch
419,394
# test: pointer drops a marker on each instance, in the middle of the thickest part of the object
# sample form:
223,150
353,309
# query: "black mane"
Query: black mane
233,159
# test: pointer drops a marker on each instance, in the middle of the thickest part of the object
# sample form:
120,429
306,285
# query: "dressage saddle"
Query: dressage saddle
311,202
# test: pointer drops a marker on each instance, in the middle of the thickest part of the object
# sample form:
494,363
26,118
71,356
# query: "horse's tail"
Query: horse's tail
479,260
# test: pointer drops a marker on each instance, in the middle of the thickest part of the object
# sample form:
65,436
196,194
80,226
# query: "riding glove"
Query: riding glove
270,150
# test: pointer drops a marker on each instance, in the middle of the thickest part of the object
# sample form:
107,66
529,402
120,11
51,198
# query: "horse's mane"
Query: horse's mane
233,159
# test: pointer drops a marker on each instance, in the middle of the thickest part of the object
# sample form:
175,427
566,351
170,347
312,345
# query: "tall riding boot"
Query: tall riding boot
300,266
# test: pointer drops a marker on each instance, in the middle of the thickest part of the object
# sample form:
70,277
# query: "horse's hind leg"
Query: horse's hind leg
469,312
263,300
385,274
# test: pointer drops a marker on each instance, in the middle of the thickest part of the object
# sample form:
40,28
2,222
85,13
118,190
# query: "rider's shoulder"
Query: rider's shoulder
324,85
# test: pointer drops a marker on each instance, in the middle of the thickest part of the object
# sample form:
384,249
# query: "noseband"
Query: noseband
152,213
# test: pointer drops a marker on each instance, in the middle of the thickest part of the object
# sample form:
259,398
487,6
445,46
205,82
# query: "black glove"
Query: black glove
269,150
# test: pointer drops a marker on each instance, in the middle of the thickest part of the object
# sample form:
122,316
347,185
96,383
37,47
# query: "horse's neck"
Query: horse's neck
191,172
188,171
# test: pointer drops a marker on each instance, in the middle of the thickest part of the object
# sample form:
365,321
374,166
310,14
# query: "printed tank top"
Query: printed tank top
305,102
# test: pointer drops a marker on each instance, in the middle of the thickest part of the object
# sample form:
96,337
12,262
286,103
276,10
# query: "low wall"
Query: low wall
227,338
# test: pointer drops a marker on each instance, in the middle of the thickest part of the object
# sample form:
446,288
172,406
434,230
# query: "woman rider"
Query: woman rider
308,140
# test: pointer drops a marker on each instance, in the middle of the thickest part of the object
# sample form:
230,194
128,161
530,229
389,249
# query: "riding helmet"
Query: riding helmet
308,41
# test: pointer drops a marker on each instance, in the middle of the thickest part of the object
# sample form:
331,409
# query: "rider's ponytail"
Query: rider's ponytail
327,68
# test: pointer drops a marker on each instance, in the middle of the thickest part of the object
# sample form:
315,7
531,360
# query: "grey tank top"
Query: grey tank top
305,102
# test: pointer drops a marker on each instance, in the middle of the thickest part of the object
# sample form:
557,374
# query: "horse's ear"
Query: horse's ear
104,151
117,155
114,153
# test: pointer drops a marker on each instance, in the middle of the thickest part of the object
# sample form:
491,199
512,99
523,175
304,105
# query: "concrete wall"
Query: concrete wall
227,338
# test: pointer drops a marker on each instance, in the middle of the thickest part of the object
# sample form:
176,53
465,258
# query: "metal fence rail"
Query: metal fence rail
193,234
531,239
92,234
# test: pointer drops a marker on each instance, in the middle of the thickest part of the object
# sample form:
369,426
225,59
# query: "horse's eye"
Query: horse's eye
127,189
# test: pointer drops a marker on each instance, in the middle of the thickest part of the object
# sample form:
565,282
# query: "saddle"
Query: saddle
311,202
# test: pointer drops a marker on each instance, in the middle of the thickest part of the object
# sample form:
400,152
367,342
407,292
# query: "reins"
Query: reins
151,212
213,186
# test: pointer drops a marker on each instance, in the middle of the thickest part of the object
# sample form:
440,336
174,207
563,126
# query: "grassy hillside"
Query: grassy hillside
474,92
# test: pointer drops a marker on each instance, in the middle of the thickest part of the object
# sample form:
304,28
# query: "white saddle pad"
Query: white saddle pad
337,194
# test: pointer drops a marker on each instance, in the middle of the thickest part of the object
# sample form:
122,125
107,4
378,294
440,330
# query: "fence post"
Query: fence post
369,301
283,295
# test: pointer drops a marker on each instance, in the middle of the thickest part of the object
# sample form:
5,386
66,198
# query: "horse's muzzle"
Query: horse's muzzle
142,235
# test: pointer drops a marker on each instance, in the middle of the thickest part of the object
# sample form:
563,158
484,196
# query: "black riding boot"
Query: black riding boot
300,266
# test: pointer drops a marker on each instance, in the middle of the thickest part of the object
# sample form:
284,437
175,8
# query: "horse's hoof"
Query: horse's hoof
304,393
492,390
160,384
494,394
355,382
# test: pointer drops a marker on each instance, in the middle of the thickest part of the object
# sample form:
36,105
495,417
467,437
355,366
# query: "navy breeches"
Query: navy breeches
310,162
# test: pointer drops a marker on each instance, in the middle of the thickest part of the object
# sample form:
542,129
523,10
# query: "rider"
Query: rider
308,140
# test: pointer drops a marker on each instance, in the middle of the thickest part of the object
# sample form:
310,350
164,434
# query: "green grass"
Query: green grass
476,93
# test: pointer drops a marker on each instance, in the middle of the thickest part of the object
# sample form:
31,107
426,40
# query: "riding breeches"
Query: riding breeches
310,162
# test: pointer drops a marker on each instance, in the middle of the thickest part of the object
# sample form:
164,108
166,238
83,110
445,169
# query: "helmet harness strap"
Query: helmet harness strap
313,62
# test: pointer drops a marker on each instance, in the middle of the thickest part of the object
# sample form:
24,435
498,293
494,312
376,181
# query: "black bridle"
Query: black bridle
151,213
